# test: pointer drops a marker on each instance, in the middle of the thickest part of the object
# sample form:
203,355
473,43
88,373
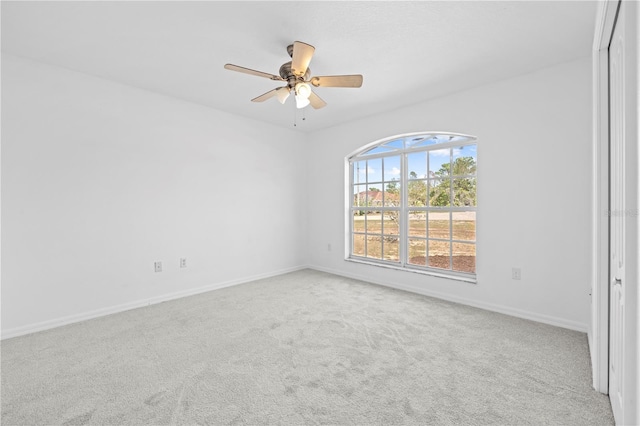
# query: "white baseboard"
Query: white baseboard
533,316
58,322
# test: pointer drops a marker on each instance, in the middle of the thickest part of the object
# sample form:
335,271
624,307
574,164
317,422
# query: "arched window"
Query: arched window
413,203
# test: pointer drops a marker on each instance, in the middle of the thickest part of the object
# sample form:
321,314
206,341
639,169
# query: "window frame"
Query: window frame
404,208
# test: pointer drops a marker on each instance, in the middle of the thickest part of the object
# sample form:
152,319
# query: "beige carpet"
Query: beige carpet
302,348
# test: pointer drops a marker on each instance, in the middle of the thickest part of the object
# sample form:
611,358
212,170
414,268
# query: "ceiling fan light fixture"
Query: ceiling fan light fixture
301,102
303,90
283,95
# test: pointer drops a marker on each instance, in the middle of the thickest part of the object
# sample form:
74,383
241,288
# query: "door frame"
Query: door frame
599,326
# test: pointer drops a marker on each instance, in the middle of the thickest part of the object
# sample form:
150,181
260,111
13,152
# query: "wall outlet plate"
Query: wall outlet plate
157,266
183,262
516,274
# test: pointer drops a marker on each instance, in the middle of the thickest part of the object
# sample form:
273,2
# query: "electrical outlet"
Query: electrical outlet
183,262
516,274
158,266
328,247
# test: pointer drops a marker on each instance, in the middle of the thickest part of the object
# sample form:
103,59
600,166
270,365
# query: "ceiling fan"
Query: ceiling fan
296,73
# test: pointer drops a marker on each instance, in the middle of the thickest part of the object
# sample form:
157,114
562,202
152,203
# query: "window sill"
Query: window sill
466,279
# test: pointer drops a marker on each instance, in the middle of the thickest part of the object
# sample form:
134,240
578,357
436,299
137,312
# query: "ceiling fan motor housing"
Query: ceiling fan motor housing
290,77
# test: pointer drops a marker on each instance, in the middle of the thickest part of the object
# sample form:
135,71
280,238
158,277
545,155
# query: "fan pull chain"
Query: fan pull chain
295,116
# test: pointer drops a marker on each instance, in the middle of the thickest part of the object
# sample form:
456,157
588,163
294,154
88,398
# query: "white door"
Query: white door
617,217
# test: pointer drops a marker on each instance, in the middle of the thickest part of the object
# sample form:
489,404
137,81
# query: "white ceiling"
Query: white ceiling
408,52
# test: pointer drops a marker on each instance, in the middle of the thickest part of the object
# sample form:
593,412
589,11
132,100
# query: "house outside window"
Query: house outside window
413,204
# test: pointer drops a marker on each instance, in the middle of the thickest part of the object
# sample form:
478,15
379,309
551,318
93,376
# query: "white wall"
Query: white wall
534,177
99,180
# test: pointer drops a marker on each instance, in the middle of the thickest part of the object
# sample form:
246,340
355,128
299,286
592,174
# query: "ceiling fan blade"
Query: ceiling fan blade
281,92
253,72
270,94
302,53
316,101
337,81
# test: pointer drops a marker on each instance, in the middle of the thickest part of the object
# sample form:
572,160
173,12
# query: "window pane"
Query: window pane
439,193
374,223
358,221
359,195
391,222
464,192
392,195
417,165
439,225
358,245
464,226
391,245
417,193
374,247
418,224
464,257
439,162
442,138
391,168
359,172
439,254
395,144
464,160
421,141
374,195
374,170
417,251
